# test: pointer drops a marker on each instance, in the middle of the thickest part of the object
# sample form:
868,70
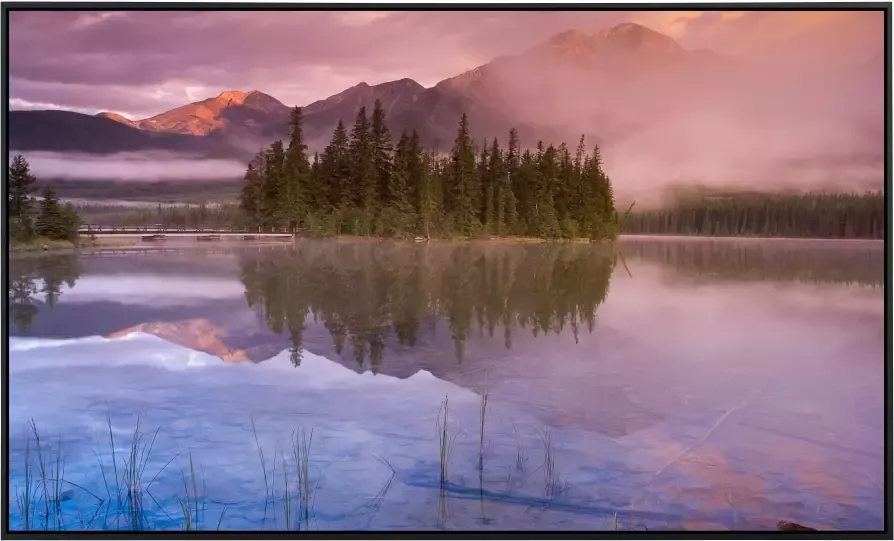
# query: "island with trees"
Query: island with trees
364,184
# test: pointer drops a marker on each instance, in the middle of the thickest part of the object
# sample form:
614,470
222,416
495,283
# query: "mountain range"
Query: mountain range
613,85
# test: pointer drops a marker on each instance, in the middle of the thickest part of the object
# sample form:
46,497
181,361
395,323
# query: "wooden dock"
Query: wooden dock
158,234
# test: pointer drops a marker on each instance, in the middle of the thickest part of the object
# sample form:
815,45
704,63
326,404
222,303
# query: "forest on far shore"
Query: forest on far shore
810,215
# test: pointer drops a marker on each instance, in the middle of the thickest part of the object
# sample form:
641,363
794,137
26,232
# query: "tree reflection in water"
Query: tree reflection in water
33,277
362,292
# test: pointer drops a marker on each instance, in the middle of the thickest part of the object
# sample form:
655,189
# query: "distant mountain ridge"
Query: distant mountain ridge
67,131
432,111
248,109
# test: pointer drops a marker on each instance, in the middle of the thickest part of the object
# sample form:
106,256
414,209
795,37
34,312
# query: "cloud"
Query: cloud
785,37
814,105
152,290
362,18
132,101
86,20
144,62
130,166
23,105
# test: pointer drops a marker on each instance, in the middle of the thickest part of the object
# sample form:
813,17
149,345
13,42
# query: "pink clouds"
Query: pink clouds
143,63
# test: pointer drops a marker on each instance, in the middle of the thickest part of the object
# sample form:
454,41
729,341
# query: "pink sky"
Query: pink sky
143,63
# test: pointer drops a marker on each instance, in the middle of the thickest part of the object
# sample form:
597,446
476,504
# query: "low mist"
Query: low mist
131,166
705,119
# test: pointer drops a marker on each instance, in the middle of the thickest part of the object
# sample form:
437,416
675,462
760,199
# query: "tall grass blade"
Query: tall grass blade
287,497
25,499
301,444
222,513
263,468
444,440
481,433
519,451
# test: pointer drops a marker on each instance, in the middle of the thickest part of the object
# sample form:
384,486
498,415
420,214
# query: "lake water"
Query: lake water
663,383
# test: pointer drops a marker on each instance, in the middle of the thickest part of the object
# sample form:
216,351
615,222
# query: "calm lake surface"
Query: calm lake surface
663,383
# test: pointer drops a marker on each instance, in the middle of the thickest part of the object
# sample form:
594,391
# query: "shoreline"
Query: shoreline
48,247
52,247
651,236
492,239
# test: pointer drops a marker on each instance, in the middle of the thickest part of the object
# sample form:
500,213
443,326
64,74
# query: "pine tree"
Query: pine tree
526,183
50,221
275,210
605,197
363,173
70,223
442,189
575,187
427,189
399,179
485,180
380,138
498,187
19,187
298,194
609,213
589,214
416,188
398,207
544,190
600,219
512,186
335,166
564,179
316,176
316,196
463,182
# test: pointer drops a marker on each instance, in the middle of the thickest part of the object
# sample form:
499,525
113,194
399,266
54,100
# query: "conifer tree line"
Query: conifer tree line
367,182
815,215
225,215
50,219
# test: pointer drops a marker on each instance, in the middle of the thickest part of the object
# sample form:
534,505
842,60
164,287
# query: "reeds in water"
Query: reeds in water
267,493
481,433
445,440
191,509
552,480
445,443
520,458
301,443
128,480
128,496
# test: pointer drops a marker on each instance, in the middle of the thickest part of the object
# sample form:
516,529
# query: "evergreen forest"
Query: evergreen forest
814,215
50,219
364,183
